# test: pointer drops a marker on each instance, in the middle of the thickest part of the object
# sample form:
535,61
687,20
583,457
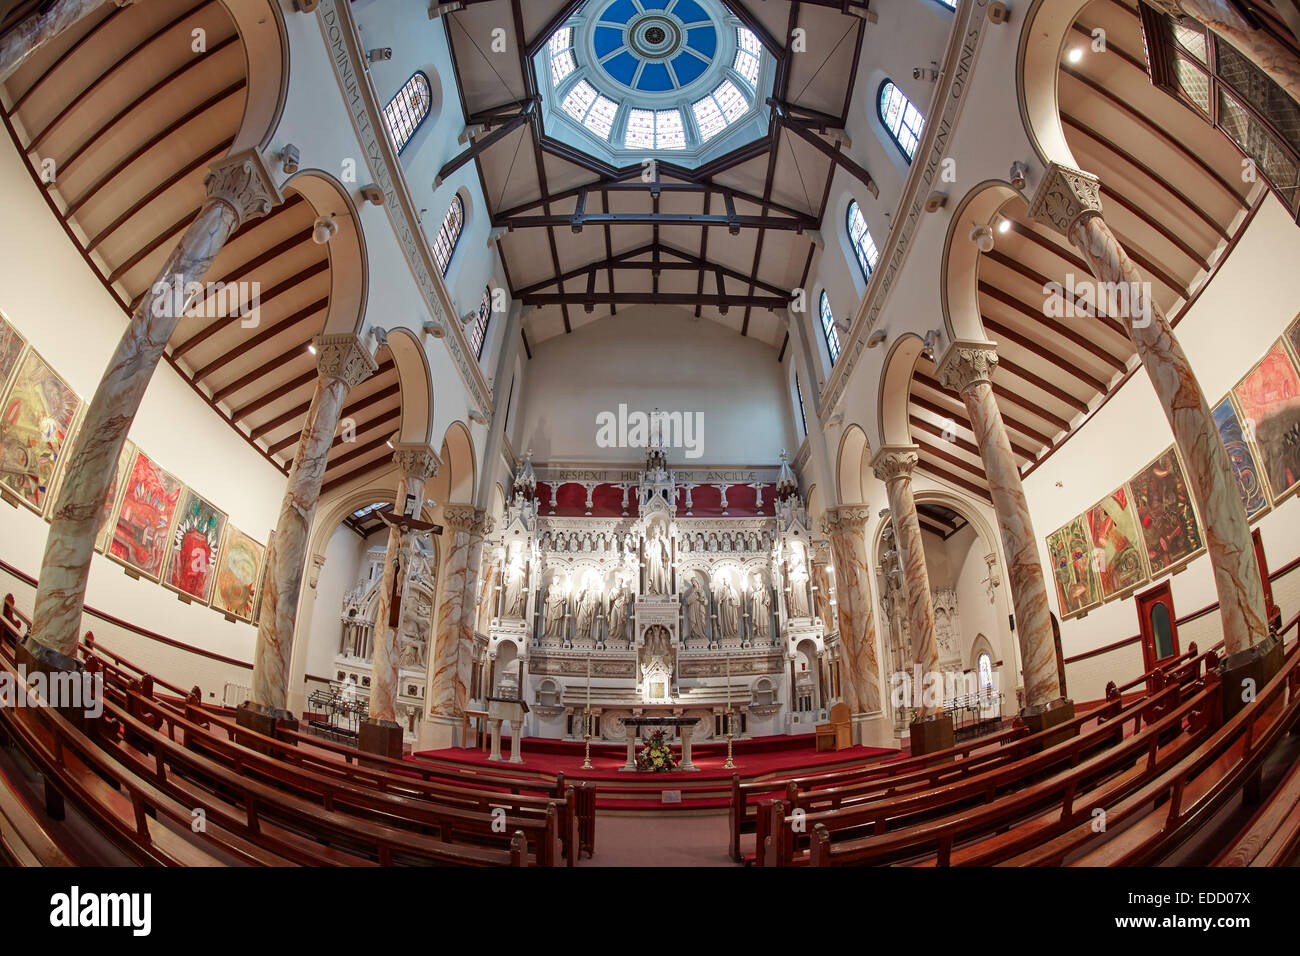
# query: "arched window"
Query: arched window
798,393
863,245
985,665
903,120
828,329
478,334
449,234
407,110
950,4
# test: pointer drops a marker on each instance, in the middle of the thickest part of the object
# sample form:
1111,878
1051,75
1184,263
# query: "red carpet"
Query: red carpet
707,788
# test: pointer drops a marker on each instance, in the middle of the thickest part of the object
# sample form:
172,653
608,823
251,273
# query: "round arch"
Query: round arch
1043,37
960,264
416,382
896,389
455,481
852,464
349,263
266,56
328,518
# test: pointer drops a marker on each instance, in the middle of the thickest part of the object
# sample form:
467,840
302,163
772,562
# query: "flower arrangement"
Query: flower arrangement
657,756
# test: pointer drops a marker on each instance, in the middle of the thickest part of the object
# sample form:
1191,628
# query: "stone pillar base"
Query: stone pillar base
264,721
1041,717
1258,664
380,737
932,734
37,658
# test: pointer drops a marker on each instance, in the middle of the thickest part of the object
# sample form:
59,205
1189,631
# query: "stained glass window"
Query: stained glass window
798,393
407,110
449,234
985,665
829,330
863,245
478,334
655,129
903,120
719,109
591,108
747,52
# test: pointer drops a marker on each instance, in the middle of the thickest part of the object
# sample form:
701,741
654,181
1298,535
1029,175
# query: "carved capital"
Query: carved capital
891,464
845,519
967,364
460,517
416,462
1064,197
313,576
344,357
243,183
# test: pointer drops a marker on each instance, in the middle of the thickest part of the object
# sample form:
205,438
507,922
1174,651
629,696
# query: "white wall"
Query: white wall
1236,320
344,559
51,296
653,358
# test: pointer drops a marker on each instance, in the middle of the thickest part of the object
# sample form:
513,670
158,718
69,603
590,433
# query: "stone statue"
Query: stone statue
658,559
588,604
798,599
728,612
618,614
697,613
555,602
760,610
516,596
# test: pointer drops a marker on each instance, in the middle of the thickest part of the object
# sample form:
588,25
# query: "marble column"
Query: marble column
894,465
239,188
447,686
1069,201
344,362
846,527
481,527
28,36
417,463
967,368
1221,17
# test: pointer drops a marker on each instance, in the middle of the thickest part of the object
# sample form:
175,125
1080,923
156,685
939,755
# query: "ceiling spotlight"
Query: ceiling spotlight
311,347
982,236
323,230
435,329
1004,225
289,158
392,442
877,338
1019,173
1075,55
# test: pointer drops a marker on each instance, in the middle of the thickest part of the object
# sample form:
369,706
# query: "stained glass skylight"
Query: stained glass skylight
643,76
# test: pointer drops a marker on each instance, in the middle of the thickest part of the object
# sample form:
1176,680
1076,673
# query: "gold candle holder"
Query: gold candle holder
586,737
729,765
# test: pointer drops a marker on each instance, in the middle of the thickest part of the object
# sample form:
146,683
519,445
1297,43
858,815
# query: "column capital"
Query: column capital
461,517
839,520
344,357
895,461
966,364
244,183
417,462
1064,197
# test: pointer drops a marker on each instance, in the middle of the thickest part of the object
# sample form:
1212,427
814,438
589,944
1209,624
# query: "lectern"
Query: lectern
502,709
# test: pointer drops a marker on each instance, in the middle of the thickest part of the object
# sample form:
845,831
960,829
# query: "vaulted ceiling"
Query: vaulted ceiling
1173,194
728,240
131,120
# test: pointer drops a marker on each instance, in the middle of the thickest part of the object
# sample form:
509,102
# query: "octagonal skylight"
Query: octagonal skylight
623,80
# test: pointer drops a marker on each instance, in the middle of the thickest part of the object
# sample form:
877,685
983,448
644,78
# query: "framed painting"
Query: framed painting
144,517
238,572
1070,551
1245,466
11,347
1117,545
39,410
1293,337
114,491
195,539
1269,399
262,576
1163,504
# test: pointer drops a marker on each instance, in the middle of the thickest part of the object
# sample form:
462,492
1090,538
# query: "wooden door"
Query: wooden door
1158,625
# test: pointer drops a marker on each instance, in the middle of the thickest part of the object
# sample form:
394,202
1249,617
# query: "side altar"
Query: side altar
677,607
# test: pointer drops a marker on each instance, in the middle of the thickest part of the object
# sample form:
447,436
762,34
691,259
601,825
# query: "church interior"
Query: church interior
590,433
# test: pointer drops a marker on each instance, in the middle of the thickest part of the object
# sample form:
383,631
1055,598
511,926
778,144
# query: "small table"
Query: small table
634,724
507,709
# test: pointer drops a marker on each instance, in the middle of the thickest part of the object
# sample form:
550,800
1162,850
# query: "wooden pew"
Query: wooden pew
1023,818
200,728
